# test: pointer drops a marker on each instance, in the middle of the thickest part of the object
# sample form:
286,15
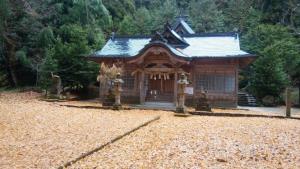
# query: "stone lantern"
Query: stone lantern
182,82
117,92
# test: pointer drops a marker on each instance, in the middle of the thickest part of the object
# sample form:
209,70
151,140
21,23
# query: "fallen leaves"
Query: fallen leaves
204,142
37,134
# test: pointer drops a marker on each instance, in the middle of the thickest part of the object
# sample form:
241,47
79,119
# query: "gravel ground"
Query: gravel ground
38,134
280,110
204,142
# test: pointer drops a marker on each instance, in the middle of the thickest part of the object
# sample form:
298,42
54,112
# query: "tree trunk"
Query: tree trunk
299,93
11,60
37,76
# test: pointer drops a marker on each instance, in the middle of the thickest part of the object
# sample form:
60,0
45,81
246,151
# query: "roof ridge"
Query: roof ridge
132,36
212,34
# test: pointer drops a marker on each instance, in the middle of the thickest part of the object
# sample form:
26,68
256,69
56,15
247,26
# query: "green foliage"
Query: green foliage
127,26
241,15
22,58
45,38
95,37
264,35
279,57
55,35
143,21
49,65
288,51
165,13
268,76
4,13
206,17
119,8
69,51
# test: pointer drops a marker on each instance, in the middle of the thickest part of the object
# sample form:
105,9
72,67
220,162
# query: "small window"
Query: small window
229,84
128,81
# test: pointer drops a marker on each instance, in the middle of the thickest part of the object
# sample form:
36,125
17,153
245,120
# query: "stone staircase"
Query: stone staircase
156,106
163,97
246,99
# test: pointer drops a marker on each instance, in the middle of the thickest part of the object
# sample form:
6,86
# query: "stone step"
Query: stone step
156,106
245,99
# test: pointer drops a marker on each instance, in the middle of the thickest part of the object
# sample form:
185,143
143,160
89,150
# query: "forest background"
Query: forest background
38,37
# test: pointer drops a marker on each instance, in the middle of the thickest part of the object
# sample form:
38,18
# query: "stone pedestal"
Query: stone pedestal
109,99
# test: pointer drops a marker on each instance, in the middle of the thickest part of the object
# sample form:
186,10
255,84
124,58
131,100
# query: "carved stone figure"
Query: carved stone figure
203,103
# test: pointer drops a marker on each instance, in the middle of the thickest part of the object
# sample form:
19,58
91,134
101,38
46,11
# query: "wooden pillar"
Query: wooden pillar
175,87
142,88
100,91
288,102
236,84
161,85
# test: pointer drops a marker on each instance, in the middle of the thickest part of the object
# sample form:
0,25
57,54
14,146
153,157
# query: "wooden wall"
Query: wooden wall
218,98
195,68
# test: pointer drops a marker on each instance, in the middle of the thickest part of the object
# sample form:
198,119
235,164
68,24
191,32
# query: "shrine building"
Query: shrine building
152,64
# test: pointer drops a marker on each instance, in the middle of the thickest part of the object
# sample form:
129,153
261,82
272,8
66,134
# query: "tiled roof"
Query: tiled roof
180,21
200,45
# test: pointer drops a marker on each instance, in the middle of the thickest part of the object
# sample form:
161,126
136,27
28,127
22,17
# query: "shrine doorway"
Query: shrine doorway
160,87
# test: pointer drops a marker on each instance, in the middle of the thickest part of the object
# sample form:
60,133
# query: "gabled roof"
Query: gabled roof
186,45
181,24
212,45
173,37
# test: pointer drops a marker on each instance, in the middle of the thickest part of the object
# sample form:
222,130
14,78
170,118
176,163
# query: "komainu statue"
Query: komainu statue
203,103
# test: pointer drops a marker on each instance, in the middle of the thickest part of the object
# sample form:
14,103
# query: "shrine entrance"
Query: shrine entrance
160,87
158,71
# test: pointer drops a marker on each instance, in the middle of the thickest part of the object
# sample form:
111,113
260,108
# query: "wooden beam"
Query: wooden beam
159,69
142,88
157,51
175,88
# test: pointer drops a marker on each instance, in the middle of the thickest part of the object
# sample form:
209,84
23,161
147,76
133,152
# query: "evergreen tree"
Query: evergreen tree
206,17
268,76
241,15
119,8
143,21
69,51
278,53
258,38
49,66
127,26
164,13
